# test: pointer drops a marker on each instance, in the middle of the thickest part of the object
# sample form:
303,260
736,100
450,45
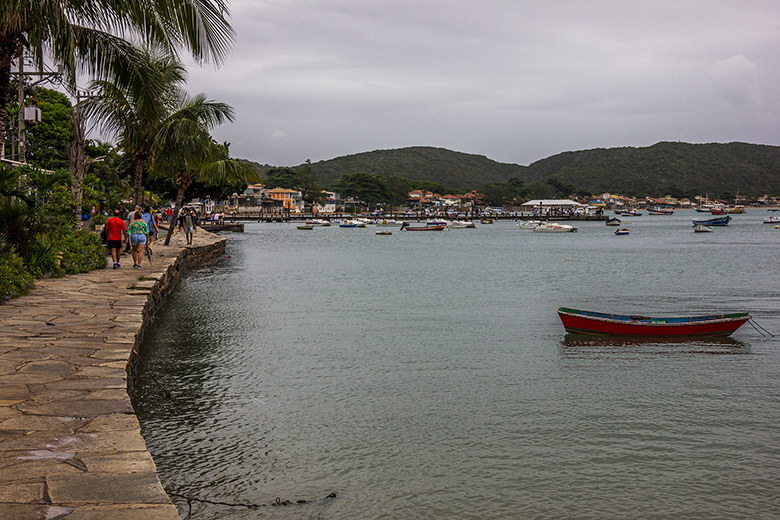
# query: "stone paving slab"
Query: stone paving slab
70,443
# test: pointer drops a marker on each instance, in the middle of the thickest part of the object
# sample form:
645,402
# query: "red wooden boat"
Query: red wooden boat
588,322
405,227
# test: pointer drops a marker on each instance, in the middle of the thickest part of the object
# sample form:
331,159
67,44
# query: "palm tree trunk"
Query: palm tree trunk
177,207
7,52
137,180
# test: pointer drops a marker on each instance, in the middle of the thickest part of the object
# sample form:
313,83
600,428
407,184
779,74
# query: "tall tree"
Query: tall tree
90,35
134,114
186,151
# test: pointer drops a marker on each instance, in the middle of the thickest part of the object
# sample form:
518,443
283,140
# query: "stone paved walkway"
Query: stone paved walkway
70,443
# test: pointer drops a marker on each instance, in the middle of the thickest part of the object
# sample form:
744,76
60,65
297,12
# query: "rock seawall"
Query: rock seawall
70,442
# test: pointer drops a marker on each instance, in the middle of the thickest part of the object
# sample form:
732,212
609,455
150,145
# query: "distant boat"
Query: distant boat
657,210
554,227
701,228
406,227
384,232
718,209
486,220
352,224
621,231
461,224
772,220
388,223
614,221
631,213
318,222
737,210
436,222
588,322
306,226
530,224
714,221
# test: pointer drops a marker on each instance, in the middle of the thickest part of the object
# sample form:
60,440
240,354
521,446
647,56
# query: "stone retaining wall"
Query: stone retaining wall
70,442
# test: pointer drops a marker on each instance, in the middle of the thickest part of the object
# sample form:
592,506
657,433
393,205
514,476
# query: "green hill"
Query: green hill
459,171
679,169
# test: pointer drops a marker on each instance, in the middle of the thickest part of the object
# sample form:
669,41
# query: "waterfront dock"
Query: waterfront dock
70,442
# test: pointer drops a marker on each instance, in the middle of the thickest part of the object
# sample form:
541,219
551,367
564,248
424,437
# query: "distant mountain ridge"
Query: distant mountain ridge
679,169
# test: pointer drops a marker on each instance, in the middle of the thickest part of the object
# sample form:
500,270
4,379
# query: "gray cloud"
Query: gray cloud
516,81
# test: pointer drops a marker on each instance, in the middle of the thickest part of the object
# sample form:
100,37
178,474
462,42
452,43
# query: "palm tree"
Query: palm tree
187,152
133,114
90,35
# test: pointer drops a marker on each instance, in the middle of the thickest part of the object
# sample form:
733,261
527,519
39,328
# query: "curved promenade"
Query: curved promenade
70,442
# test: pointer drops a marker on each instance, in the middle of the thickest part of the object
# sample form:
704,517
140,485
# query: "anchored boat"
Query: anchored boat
588,322
714,221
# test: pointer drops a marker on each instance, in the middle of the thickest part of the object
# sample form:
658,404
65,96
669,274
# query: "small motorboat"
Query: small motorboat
486,220
384,232
436,222
352,224
631,213
657,210
530,224
306,226
318,222
461,224
621,231
388,223
715,221
554,227
701,228
588,322
772,220
614,221
407,227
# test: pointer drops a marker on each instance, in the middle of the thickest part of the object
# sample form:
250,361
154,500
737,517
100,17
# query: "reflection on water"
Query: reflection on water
581,345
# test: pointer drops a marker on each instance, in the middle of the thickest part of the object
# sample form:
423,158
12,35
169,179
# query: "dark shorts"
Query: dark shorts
114,244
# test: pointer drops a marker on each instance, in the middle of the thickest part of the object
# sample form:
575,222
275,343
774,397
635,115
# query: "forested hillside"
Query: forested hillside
678,169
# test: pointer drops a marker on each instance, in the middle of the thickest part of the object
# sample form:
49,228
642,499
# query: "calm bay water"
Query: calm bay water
427,375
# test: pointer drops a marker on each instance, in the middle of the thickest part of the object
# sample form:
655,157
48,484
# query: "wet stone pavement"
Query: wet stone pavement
70,443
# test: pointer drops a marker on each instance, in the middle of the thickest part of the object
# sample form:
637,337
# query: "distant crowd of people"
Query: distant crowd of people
137,229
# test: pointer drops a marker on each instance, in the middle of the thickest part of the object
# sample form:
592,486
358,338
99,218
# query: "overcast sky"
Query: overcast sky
515,80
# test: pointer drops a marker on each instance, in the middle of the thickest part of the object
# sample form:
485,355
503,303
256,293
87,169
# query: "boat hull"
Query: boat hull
423,228
717,221
587,322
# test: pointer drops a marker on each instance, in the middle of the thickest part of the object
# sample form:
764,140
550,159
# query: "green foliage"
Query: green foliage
14,279
40,259
448,171
281,178
99,219
46,140
365,187
677,169
81,251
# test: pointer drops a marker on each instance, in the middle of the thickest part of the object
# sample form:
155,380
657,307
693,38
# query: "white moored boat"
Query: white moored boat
530,224
554,227
461,224
318,222
388,223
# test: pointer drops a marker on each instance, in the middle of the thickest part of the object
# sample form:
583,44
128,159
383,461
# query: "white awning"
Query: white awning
551,203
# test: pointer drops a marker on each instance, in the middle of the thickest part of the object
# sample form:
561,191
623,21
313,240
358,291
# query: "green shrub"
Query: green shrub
82,251
14,279
99,219
40,260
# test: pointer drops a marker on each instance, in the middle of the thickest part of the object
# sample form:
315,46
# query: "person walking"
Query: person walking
189,226
151,224
138,232
116,232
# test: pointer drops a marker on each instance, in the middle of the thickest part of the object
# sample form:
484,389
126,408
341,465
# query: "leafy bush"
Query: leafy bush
99,219
40,260
81,252
14,279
